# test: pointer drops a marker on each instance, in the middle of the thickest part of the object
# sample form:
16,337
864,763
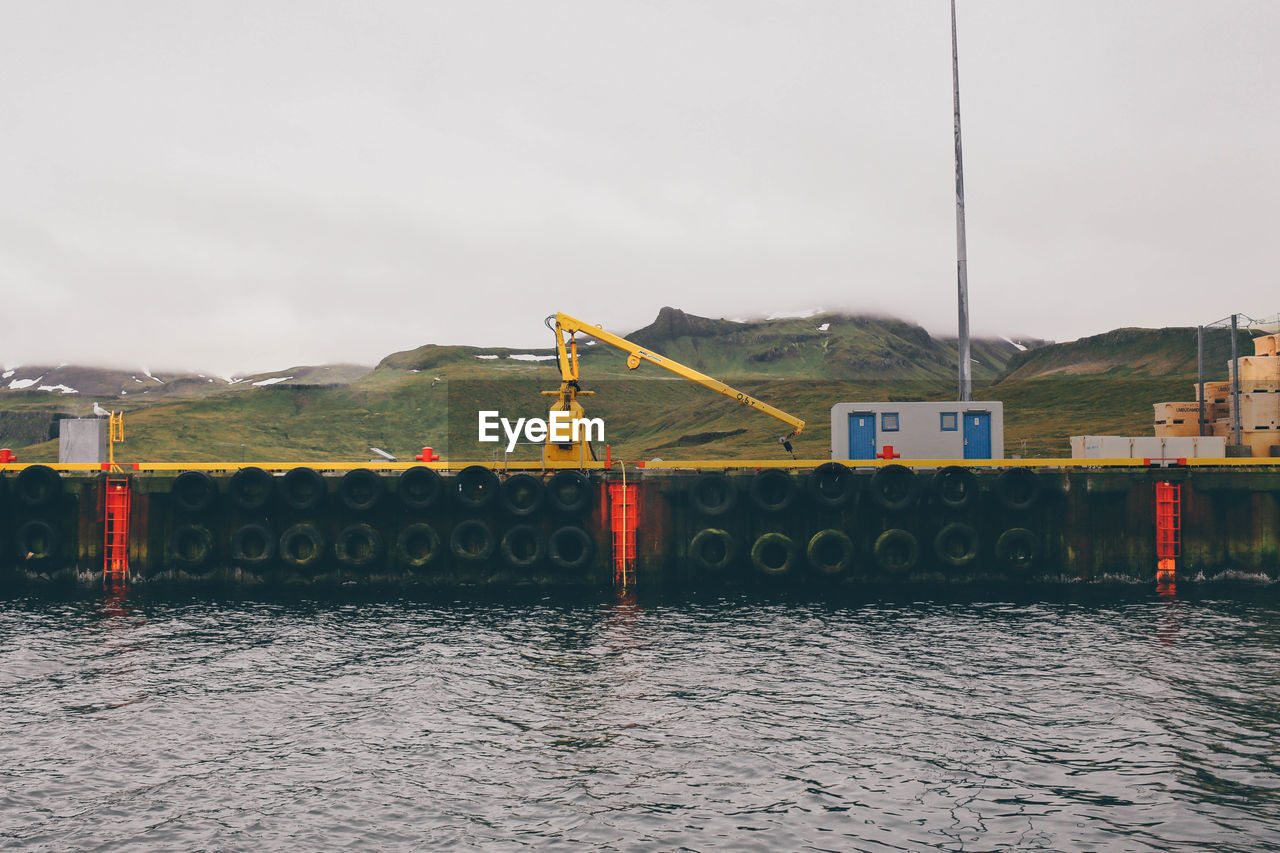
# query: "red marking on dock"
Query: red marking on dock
1168,530
624,521
115,523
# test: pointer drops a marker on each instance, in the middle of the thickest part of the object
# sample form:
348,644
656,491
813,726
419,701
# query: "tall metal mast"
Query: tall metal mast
962,260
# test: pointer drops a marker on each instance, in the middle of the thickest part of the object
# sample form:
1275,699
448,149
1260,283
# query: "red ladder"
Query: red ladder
624,518
1168,529
115,522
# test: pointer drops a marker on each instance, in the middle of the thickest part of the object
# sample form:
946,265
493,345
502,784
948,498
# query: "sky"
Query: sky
244,186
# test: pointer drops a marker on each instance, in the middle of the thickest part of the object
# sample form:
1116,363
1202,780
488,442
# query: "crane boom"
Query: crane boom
568,359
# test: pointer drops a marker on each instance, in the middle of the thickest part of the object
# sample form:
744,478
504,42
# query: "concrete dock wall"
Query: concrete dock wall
822,527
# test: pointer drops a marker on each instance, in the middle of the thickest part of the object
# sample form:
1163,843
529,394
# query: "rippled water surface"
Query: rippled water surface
744,724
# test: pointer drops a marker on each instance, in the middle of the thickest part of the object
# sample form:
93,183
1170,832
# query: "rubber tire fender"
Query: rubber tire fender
39,539
522,494
704,490
193,492
1017,549
302,489
831,485
823,540
361,489
262,542
894,488
38,486
760,550
772,490
709,537
567,539
465,533
420,488
314,552
358,546
251,488
1017,489
407,545
948,538
896,551
511,540
568,492
190,547
476,487
955,487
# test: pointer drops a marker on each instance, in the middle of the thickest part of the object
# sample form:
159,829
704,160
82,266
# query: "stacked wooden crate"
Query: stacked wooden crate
1259,403
1260,396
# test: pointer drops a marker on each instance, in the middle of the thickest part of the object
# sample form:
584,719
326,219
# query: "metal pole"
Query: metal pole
1200,372
962,259
1235,381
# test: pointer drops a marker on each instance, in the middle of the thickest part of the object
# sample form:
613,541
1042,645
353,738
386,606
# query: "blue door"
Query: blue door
862,435
977,435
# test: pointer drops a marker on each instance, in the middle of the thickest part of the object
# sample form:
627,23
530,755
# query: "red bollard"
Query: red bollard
887,453
6,455
427,455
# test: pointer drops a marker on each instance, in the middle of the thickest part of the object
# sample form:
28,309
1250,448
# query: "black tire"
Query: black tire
712,494
772,490
956,545
522,494
418,545
476,487
774,554
360,489
471,541
302,547
832,485
302,489
37,542
420,489
570,549
896,551
38,486
830,552
522,547
251,488
713,550
358,546
193,492
568,492
1017,489
894,488
1017,549
190,547
253,546
955,487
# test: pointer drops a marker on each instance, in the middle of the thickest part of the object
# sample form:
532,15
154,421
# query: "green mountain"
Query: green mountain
1129,353
823,346
430,395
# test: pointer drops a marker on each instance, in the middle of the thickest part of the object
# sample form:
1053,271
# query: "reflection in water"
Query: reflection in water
1141,724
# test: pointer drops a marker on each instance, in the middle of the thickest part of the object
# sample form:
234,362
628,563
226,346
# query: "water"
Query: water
744,724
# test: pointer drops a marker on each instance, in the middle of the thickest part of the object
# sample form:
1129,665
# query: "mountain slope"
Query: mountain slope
825,346
1129,352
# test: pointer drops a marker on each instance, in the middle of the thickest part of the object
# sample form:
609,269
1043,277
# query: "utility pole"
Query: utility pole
1235,381
962,259
1200,372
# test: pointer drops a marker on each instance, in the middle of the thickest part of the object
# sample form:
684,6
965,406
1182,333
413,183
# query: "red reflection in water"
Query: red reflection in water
115,598
1165,578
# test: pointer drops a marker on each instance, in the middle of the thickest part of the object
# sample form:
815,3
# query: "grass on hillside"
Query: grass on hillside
646,416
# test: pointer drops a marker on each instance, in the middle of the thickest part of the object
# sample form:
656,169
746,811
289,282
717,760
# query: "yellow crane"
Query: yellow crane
567,352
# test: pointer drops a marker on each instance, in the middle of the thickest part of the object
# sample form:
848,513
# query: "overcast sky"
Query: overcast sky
238,186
